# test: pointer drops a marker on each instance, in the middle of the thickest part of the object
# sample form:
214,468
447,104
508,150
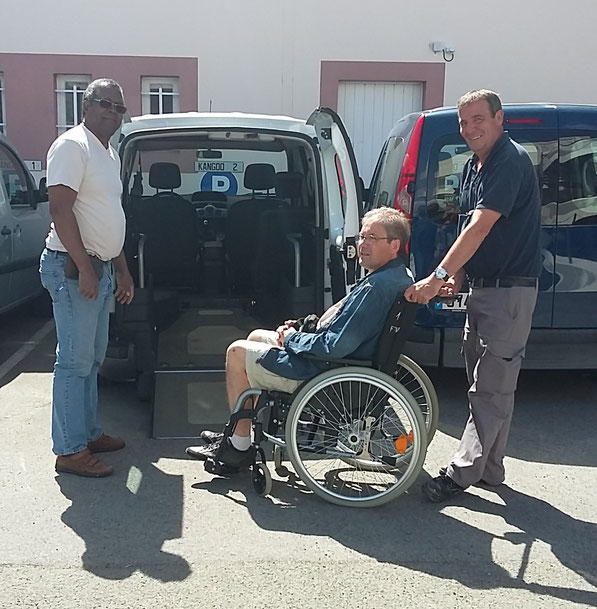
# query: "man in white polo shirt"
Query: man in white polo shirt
86,238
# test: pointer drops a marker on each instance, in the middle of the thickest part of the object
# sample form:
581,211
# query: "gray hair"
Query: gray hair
100,83
491,97
394,221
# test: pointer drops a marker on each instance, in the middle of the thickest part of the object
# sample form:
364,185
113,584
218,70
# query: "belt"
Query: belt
503,282
61,253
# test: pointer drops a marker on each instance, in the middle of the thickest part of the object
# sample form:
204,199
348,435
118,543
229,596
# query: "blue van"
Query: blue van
419,171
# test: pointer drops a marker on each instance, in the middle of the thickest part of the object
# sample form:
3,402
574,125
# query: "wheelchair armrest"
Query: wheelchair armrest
345,361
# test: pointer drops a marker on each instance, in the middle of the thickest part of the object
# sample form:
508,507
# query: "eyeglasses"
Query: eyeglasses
108,104
371,238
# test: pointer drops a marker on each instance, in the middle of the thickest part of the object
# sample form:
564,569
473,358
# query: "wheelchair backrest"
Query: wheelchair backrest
394,335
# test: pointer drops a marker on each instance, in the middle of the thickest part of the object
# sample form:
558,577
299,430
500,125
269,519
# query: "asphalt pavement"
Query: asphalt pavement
163,533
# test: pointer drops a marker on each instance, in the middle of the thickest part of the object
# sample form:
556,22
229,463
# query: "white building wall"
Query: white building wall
264,55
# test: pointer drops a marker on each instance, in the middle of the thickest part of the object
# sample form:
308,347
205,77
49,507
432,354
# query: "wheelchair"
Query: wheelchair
356,434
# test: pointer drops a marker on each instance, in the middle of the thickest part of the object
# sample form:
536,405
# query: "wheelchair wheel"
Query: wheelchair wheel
261,479
355,437
415,380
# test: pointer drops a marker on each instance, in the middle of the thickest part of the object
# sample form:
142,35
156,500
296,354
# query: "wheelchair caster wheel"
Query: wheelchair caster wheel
282,471
261,479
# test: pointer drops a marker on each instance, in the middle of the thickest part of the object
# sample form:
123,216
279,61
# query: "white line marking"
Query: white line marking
26,348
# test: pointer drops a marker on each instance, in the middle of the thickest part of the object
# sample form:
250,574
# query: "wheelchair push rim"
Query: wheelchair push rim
334,438
409,374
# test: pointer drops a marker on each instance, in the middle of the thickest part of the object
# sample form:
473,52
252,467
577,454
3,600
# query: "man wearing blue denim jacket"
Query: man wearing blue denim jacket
274,360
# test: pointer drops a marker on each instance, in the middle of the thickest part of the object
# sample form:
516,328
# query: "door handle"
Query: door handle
5,230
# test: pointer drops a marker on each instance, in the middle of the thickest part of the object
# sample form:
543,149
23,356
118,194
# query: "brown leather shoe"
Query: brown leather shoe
83,463
105,444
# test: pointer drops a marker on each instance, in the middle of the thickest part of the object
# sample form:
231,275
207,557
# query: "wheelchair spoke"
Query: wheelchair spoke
356,437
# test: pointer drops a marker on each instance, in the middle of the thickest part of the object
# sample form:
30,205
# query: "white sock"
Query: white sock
240,442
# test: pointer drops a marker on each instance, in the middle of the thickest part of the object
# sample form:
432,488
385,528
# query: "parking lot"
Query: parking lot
162,533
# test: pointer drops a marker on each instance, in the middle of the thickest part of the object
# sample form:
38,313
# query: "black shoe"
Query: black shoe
441,489
211,437
225,454
444,470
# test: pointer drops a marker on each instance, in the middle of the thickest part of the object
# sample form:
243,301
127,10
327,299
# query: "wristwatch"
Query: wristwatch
441,273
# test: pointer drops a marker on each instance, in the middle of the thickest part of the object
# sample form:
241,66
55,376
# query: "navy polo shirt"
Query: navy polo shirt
506,183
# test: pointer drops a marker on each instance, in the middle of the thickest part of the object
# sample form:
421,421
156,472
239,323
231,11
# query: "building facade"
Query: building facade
373,62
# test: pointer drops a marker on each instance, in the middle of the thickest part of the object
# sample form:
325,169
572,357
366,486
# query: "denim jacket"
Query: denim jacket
354,330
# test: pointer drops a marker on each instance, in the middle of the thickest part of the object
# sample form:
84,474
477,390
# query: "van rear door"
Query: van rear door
344,199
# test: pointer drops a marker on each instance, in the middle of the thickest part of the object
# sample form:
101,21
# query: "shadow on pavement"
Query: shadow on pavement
128,517
125,525
413,534
552,407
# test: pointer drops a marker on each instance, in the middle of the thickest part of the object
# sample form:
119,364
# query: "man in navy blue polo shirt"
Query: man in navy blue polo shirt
498,251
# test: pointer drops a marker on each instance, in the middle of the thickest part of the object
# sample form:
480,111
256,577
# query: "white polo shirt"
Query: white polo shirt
77,159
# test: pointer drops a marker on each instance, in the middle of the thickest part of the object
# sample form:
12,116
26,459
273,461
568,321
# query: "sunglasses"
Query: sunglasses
108,105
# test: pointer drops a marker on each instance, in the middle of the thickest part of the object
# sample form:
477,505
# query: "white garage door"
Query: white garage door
369,110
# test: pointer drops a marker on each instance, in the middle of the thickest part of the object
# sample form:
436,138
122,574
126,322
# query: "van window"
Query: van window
14,181
578,180
446,163
223,173
383,187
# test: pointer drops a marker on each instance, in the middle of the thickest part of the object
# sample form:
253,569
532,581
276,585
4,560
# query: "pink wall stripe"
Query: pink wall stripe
30,83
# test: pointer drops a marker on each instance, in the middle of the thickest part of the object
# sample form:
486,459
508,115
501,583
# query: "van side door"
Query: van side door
6,240
343,201
575,300
30,221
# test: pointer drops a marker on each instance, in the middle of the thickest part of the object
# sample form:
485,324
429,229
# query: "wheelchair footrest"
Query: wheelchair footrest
220,469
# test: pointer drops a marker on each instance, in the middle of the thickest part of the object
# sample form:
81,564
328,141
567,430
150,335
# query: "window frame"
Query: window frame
148,83
61,91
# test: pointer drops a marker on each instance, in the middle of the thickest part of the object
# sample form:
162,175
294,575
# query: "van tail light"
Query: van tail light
406,182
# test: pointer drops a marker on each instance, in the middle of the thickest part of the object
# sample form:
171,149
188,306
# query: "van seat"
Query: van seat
169,223
243,224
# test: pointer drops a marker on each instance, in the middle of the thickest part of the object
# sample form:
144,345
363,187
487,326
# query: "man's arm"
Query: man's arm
467,243
358,320
62,200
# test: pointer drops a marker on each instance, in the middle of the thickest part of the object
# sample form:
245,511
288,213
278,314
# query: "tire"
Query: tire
338,439
261,479
415,380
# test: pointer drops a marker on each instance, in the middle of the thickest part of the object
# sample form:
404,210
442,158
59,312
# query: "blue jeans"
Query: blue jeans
82,332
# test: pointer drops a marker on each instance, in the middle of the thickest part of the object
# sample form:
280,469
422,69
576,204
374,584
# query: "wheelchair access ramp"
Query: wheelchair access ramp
190,391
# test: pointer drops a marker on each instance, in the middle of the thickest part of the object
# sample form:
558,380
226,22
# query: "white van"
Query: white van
234,221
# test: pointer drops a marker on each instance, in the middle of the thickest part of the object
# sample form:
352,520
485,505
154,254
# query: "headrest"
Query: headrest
288,184
259,176
164,176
